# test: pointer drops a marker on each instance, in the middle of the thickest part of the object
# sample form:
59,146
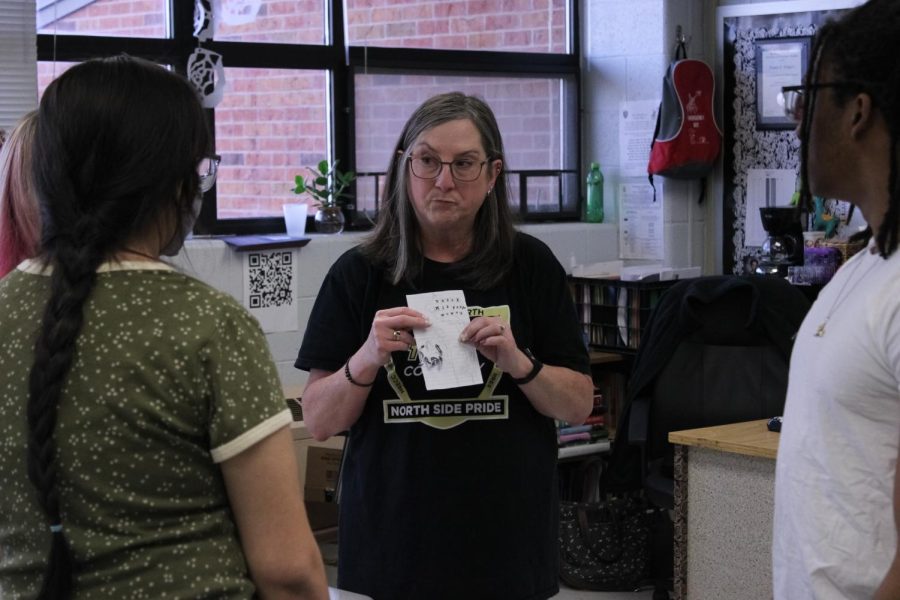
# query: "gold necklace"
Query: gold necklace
820,330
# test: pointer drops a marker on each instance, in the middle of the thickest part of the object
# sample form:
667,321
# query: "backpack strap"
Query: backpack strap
653,141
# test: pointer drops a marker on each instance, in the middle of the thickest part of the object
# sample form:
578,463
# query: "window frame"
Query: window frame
341,63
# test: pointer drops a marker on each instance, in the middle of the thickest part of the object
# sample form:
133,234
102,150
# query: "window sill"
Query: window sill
244,243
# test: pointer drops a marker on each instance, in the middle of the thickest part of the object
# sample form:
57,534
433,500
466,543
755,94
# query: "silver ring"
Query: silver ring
396,336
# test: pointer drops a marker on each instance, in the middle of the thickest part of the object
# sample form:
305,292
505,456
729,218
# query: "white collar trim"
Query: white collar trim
37,267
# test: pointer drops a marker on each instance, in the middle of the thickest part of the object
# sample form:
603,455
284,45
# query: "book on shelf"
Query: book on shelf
592,430
614,311
596,419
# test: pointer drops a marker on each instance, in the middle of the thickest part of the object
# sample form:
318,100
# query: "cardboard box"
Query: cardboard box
318,464
322,470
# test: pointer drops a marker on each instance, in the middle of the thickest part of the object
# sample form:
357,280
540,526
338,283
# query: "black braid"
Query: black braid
116,149
72,280
887,239
813,76
887,233
864,46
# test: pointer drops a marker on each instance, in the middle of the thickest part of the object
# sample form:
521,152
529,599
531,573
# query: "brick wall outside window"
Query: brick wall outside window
272,123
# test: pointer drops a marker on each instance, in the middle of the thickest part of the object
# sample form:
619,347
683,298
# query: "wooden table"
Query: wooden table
724,500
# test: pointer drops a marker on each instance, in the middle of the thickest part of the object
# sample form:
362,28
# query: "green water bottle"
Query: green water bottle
594,211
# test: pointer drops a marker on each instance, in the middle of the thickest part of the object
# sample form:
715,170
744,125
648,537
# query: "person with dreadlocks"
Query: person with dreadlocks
837,489
145,448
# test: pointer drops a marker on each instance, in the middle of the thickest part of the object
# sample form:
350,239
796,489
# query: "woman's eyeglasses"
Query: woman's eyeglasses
793,97
427,166
207,169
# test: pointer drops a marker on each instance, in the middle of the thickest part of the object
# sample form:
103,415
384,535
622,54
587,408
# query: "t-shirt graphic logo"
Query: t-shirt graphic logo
444,413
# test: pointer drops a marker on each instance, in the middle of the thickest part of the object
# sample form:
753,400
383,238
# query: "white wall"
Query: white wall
627,46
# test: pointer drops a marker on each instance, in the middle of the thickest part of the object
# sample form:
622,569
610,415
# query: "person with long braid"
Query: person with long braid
144,442
837,486
20,227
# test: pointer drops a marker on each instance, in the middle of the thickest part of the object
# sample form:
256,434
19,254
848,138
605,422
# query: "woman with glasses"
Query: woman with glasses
837,488
446,493
145,449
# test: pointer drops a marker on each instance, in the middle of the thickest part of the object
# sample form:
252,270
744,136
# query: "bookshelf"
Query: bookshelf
597,433
614,312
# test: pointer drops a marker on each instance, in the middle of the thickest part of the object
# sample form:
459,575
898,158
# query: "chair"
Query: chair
715,351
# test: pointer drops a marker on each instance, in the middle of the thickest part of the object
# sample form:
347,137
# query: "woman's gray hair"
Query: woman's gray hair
394,243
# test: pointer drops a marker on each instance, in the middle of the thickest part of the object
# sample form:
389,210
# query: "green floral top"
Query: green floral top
170,377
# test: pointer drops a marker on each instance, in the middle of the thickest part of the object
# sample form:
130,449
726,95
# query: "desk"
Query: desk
724,500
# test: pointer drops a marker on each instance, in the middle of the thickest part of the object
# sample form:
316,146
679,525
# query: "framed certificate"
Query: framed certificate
780,62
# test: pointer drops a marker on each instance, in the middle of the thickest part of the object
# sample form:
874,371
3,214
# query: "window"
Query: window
124,18
296,93
18,81
270,124
512,25
530,110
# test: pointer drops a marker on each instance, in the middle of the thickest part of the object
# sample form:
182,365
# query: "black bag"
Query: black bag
605,546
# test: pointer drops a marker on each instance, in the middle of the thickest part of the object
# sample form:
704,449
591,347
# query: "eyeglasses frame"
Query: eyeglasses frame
804,89
208,180
452,173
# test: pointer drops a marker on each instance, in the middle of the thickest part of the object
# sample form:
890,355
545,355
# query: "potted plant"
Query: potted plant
326,186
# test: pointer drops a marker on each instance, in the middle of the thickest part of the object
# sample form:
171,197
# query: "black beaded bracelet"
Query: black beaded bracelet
350,377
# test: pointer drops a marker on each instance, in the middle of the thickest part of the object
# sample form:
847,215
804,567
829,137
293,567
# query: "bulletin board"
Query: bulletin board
753,144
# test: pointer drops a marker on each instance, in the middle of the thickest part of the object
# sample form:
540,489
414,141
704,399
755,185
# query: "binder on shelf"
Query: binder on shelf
614,312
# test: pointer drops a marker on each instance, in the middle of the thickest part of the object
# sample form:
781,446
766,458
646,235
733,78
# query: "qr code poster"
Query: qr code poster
270,289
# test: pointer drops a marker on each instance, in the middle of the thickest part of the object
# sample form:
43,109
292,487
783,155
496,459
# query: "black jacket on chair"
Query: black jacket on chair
715,350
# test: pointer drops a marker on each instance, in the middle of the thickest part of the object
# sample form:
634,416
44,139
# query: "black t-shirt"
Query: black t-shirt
449,507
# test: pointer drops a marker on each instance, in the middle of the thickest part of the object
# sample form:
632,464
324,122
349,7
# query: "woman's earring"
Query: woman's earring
488,195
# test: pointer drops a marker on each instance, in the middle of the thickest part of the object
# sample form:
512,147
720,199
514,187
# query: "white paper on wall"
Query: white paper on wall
641,221
637,121
270,288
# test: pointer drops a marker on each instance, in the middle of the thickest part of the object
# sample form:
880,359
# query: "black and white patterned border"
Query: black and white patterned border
755,149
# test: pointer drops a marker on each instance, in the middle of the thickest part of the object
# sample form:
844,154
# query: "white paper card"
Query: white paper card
640,221
446,362
637,121
270,287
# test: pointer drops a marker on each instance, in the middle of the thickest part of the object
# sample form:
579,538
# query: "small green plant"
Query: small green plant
326,184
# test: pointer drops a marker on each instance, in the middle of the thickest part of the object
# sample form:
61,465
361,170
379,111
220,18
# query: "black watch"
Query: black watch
536,367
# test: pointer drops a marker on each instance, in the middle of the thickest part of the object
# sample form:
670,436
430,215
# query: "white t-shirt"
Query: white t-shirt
834,533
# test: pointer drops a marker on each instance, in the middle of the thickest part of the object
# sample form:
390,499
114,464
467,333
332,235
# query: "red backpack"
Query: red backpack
687,139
